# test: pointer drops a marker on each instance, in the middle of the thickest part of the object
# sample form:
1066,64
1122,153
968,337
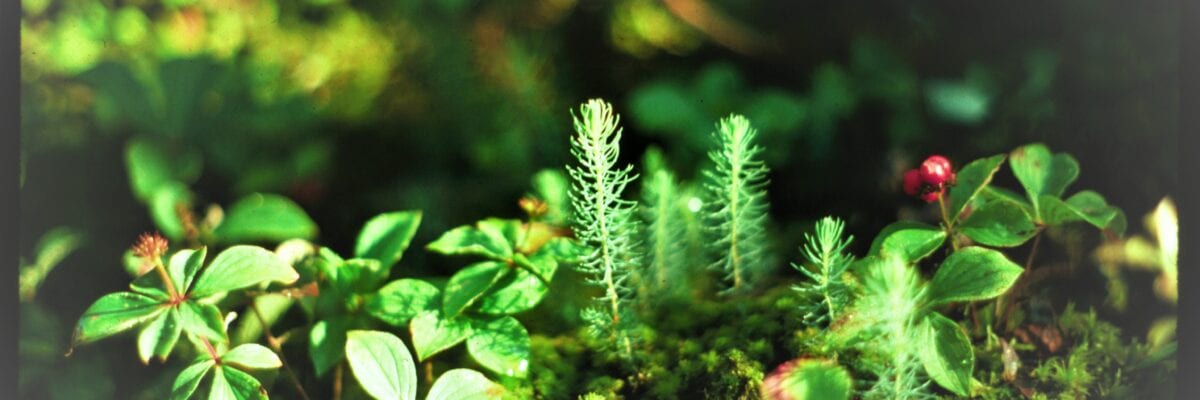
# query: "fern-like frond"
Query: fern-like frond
737,202
825,252
889,305
602,220
662,212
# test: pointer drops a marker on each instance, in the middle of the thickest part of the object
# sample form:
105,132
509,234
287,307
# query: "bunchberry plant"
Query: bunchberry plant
737,202
604,222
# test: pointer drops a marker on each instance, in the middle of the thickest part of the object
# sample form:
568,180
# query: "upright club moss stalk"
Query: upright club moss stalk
603,221
662,212
826,252
738,201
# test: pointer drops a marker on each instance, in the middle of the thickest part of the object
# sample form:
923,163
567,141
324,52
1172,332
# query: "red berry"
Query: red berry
932,195
936,171
912,182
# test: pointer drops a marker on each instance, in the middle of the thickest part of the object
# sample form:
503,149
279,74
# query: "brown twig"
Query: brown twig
275,345
337,382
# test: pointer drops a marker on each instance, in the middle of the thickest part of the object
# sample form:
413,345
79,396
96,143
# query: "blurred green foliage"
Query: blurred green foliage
353,108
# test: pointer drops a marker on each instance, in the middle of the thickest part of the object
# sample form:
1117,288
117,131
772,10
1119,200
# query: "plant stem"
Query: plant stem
166,278
946,220
337,382
275,345
1002,304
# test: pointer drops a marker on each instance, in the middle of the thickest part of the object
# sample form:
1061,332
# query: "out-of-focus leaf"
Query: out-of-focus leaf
265,217
386,236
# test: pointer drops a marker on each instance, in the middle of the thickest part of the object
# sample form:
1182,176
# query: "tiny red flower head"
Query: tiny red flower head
150,246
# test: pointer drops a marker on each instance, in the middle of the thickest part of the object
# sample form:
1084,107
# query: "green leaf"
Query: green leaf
252,356
231,384
972,273
999,223
184,265
1092,207
327,343
386,236
501,345
150,284
158,338
188,380
431,333
1056,212
165,204
946,353
1041,172
464,384
971,179
359,275
150,168
469,284
115,313
809,379
468,239
382,365
203,320
241,266
265,217
908,240
520,290
403,299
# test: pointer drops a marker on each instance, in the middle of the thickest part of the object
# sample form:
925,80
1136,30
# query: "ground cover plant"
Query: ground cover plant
930,310
630,199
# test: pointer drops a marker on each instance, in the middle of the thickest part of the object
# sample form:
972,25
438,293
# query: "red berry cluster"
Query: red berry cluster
930,180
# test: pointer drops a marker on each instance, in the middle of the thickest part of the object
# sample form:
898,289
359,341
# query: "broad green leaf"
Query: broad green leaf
507,231
158,338
382,365
1042,172
1092,207
265,217
184,265
151,284
431,333
468,239
808,379
971,179
946,353
400,301
241,266
520,290
188,380
252,356
908,240
360,275
115,313
165,205
990,193
999,223
231,384
972,273
327,343
464,384
469,284
385,237
150,167
501,345
203,320
1054,211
